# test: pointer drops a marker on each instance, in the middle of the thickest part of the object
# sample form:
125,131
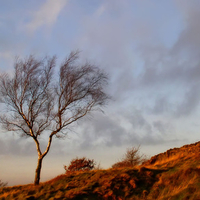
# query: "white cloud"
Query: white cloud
47,14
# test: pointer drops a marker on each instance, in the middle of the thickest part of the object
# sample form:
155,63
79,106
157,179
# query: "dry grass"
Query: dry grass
98,184
173,175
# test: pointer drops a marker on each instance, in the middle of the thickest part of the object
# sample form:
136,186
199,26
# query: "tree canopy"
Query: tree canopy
39,100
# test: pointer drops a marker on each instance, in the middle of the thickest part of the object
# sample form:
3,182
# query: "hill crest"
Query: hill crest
179,156
174,174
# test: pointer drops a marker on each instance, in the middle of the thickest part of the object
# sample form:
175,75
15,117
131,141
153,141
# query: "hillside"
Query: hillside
172,175
188,155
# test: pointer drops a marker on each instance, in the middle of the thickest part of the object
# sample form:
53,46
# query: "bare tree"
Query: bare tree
39,101
131,158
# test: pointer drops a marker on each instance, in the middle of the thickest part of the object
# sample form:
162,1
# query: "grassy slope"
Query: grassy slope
172,175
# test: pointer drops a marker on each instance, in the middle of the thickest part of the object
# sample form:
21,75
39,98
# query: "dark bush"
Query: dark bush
80,164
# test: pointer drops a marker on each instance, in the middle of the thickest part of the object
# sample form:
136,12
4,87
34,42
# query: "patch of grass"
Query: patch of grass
106,184
177,177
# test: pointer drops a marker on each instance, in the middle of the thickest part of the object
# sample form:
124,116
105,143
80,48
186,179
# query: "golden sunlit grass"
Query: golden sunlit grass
97,184
173,175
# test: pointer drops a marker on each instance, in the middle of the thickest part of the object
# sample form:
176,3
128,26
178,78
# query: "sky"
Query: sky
151,53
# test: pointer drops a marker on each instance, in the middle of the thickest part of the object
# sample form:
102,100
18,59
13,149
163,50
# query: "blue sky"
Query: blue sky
151,51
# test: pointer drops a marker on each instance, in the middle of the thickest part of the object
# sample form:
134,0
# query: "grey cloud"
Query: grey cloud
138,121
188,43
103,130
162,128
190,102
126,128
17,146
177,67
161,105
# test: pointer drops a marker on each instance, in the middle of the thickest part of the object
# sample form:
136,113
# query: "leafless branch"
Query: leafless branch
38,102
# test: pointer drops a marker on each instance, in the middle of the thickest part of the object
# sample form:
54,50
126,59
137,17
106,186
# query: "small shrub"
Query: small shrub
80,164
131,158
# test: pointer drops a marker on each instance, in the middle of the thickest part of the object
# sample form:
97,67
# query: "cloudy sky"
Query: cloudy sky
151,51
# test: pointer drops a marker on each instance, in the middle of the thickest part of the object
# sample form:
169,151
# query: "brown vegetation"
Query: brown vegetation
188,155
80,164
172,175
131,158
95,184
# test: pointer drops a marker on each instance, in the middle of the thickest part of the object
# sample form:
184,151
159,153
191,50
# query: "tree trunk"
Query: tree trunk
40,158
37,171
